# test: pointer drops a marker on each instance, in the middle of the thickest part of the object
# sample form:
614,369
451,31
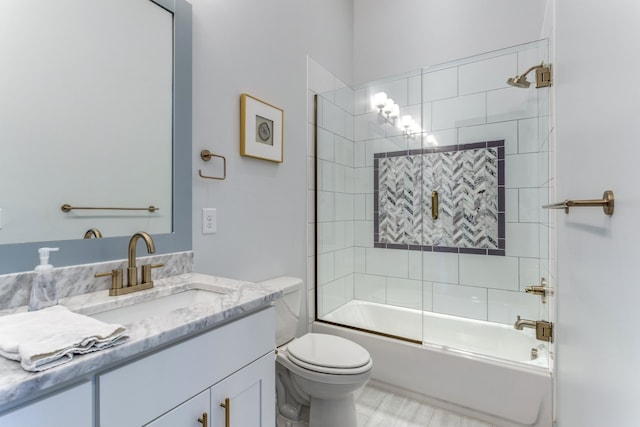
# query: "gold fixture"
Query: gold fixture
93,232
68,208
544,329
227,412
606,202
541,290
117,287
204,419
206,155
543,77
435,208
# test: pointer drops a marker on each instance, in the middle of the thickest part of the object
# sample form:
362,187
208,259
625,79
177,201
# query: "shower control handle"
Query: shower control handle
541,290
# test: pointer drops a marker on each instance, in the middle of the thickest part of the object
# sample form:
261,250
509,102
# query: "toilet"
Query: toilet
317,375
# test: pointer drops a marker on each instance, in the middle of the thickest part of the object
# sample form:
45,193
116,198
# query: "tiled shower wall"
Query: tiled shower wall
456,103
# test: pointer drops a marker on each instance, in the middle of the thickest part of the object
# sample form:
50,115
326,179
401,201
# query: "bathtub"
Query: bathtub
479,368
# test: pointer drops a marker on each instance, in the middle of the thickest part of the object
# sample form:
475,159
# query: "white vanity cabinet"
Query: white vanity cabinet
71,407
235,361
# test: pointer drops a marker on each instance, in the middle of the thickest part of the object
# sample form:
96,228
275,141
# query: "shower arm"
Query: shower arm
530,70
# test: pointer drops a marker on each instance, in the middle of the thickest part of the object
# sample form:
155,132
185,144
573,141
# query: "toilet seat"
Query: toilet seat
329,354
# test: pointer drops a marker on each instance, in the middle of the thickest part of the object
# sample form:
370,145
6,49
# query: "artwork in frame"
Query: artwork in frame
261,134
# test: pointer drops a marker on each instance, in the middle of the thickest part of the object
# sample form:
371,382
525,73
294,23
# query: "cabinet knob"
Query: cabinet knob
227,412
204,420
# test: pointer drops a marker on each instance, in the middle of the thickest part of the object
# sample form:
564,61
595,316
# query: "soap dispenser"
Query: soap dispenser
43,292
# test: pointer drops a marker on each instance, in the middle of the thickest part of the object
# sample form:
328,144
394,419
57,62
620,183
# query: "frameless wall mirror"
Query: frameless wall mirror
95,111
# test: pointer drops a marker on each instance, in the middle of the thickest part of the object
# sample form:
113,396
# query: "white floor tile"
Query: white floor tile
379,408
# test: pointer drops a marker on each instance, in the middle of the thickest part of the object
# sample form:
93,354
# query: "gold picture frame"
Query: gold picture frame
261,129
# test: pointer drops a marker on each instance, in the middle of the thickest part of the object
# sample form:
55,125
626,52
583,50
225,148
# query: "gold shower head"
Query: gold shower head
543,77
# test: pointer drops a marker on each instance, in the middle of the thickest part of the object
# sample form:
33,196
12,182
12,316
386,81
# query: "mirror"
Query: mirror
95,113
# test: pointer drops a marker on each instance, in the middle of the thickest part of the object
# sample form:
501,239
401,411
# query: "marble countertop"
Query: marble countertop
236,298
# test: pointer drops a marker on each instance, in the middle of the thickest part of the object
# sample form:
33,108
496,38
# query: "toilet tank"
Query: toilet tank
287,307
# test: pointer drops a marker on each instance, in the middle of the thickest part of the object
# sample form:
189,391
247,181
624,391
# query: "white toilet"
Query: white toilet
316,374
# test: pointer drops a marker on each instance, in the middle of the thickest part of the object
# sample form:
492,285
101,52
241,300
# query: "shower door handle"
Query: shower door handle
434,205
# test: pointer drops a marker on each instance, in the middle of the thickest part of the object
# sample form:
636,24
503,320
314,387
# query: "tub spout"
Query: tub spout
524,323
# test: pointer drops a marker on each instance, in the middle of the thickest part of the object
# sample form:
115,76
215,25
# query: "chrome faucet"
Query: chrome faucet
524,323
117,287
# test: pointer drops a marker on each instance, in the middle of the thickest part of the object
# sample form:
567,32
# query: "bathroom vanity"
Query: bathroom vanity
187,362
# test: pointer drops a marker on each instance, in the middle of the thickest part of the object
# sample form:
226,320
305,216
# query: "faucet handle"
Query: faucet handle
146,272
116,279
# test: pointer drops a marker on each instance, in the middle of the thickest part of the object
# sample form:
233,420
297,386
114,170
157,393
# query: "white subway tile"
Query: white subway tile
331,236
359,207
457,300
359,260
334,118
489,74
498,272
325,268
348,233
442,138
395,89
388,262
369,288
349,127
367,126
440,84
383,145
326,206
343,96
511,104
427,296
414,95
344,262
465,110
440,267
340,180
415,265
349,180
349,283
334,295
326,147
427,117
326,175
530,205
344,207
528,135
359,101
529,272
521,170
522,240
492,132
369,206
343,151
363,180
511,205
359,154
363,234
404,293
506,306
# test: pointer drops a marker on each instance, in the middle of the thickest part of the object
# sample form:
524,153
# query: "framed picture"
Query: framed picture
261,129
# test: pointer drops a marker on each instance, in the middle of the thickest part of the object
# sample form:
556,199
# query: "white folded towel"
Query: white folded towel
50,337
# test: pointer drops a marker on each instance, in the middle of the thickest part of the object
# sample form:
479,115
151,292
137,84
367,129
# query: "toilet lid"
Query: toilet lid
329,351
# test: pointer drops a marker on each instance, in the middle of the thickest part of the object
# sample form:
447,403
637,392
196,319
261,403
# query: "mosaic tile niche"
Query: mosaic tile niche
469,180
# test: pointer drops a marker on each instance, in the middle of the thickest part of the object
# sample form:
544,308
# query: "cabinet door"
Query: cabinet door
189,414
72,407
251,396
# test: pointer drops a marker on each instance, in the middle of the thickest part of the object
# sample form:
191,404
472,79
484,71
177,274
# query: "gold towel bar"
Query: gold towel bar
67,208
206,155
606,202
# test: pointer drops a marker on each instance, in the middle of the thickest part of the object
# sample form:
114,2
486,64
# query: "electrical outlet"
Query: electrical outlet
209,221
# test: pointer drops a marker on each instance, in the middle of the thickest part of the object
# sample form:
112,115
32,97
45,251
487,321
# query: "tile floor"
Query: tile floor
379,408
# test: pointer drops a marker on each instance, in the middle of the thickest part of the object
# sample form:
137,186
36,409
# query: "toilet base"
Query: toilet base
333,412
282,421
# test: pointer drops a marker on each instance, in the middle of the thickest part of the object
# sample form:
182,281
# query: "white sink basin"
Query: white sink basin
161,305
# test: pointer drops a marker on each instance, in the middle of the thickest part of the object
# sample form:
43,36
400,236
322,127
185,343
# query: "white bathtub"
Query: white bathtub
480,368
